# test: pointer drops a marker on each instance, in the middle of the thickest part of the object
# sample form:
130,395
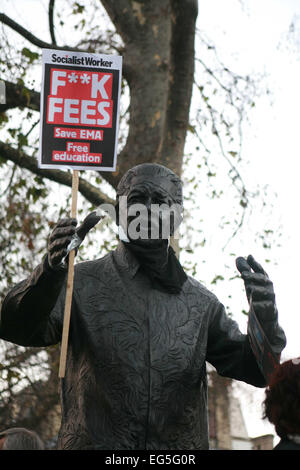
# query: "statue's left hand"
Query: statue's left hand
258,287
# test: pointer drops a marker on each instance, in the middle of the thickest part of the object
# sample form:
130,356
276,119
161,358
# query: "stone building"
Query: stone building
227,428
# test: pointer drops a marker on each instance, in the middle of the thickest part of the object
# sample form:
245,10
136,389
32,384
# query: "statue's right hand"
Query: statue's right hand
59,239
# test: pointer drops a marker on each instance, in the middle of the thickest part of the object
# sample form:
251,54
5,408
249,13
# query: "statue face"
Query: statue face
151,213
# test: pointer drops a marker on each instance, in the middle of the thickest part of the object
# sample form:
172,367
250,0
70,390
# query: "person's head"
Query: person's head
282,398
20,439
149,190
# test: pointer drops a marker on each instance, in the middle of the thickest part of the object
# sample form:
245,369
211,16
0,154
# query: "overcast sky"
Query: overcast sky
257,38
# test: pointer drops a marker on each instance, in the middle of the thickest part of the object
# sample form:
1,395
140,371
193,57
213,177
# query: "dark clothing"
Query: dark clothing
136,364
160,264
287,444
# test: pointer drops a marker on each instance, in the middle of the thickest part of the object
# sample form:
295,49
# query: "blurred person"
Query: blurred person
20,439
282,404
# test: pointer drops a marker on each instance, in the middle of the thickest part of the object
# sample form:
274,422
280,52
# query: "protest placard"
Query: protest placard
79,110
79,128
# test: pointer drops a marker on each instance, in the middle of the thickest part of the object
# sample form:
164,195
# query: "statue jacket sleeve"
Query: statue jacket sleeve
25,315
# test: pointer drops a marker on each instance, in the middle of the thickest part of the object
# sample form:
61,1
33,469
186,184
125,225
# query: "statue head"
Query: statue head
149,202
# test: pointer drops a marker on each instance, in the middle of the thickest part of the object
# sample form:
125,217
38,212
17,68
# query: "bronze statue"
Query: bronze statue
141,332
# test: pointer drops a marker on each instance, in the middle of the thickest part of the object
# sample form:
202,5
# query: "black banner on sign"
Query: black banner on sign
79,110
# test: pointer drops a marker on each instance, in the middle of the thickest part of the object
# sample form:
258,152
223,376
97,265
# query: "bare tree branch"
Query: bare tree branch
18,95
23,32
51,21
90,192
29,36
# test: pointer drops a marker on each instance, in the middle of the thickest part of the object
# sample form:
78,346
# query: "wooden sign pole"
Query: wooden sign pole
70,280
